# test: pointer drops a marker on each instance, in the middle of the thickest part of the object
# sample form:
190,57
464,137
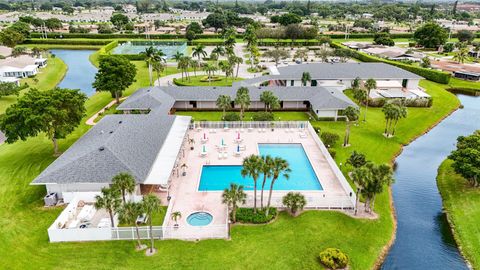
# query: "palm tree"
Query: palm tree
224,102
351,114
151,56
360,176
267,162
279,167
183,65
17,51
400,112
175,216
294,201
323,54
356,83
369,85
226,67
124,183
461,55
388,112
356,159
36,52
194,64
159,67
151,204
270,100
177,56
252,166
110,201
127,214
306,77
218,50
235,60
242,99
232,197
381,176
199,51
210,70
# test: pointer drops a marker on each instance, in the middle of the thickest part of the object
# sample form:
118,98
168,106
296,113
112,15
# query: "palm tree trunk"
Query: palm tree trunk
394,126
347,134
372,204
150,73
357,199
151,234
238,67
261,193
111,218
270,197
138,235
255,196
234,213
123,196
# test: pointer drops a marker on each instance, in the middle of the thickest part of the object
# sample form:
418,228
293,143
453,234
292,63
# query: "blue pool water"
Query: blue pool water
199,219
302,176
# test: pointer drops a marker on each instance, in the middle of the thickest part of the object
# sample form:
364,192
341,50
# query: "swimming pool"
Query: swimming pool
302,176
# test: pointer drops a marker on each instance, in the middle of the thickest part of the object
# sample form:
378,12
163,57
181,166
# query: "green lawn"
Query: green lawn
46,79
288,243
462,204
197,81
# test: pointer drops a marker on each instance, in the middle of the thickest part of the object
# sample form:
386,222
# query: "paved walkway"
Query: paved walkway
91,121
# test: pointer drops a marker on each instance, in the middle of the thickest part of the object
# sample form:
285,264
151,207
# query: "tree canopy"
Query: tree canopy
430,35
56,112
466,158
115,74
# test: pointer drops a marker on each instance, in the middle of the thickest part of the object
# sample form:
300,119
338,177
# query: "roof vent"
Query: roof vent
214,87
101,148
148,90
101,132
120,121
111,131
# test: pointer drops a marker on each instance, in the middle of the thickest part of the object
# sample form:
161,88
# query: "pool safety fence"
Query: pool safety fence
314,200
245,125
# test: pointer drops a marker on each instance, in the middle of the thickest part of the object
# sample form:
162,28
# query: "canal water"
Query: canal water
80,73
423,239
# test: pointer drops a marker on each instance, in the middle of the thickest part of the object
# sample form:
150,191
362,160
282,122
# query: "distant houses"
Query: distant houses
14,68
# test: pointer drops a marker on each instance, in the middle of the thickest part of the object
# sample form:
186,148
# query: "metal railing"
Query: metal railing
248,124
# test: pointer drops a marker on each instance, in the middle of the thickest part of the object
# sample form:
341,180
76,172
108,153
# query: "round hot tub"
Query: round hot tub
199,219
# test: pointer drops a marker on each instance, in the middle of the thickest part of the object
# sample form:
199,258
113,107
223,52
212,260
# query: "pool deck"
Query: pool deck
184,189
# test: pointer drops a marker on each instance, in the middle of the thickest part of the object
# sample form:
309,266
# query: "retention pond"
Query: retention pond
424,239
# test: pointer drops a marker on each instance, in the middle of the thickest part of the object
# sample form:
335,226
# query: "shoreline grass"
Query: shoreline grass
284,244
462,205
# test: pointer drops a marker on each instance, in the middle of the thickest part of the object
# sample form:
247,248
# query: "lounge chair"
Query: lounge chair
250,129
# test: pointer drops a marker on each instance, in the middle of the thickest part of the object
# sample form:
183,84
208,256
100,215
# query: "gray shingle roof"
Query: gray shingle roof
320,97
339,71
129,143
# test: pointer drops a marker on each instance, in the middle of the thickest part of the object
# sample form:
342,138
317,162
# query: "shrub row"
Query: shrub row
67,41
246,215
114,36
416,102
198,36
432,75
263,116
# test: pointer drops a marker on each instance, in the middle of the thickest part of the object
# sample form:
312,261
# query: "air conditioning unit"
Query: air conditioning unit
50,199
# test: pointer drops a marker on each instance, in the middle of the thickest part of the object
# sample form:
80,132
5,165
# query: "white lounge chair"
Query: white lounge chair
303,135
250,129
213,130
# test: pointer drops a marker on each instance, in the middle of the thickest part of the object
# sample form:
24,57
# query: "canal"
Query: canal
424,239
80,73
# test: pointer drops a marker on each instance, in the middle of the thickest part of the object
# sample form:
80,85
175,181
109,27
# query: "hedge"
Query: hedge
117,36
67,41
246,215
432,75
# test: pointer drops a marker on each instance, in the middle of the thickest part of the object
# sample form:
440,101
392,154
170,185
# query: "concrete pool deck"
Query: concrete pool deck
186,198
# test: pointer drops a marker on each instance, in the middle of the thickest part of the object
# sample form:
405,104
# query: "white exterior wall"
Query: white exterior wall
294,105
206,105
66,191
326,113
412,83
182,105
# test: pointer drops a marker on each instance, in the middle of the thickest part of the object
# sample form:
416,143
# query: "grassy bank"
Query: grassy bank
288,243
46,79
462,204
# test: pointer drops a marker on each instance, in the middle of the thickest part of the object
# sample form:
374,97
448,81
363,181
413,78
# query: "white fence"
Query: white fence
248,124
314,201
341,178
